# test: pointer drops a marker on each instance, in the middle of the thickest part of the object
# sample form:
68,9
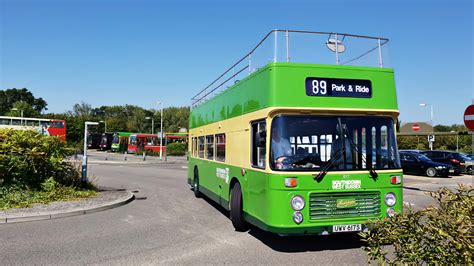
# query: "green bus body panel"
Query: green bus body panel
267,201
116,146
283,85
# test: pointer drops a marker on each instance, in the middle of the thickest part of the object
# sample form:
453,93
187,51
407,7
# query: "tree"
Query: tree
9,97
82,109
22,108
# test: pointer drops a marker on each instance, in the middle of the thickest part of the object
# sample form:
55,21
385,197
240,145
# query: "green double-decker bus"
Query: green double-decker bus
300,148
120,141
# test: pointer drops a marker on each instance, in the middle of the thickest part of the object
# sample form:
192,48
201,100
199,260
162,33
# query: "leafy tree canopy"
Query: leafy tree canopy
9,97
20,108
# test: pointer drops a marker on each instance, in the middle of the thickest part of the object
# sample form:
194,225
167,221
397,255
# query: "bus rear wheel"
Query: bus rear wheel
197,194
236,210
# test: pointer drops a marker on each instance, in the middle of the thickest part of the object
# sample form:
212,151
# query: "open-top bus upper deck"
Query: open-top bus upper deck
287,77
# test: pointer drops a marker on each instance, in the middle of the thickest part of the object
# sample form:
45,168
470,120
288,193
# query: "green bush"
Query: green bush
176,149
28,158
434,235
34,169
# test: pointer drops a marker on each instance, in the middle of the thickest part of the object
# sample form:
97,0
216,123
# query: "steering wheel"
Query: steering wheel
287,159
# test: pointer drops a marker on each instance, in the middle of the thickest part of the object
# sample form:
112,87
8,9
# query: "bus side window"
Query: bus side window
201,147
220,147
16,122
210,147
259,151
195,147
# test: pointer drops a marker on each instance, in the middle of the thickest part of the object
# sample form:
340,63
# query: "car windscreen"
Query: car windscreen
421,157
308,143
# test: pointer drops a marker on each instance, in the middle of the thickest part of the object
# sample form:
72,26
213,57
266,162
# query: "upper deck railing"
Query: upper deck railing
300,47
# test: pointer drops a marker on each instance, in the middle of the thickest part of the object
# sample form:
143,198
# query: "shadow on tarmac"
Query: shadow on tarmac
293,244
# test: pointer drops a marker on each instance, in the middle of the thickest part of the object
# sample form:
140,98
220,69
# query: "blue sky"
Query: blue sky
114,52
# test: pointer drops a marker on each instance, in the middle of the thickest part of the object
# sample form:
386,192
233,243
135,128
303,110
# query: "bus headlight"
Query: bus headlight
297,203
297,217
390,199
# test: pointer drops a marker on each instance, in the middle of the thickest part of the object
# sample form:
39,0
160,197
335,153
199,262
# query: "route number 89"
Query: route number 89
319,87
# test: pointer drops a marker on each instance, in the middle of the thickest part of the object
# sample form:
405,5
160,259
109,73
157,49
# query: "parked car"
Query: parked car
453,158
417,163
469,161
412,151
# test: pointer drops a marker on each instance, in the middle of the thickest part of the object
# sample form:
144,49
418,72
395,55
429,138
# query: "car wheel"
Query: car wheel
236,210
470,170
197,193
431,172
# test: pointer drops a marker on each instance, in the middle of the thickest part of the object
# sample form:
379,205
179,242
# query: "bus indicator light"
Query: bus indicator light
395,179
242,171
291,182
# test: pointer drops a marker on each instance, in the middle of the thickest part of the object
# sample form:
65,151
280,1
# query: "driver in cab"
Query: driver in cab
281,148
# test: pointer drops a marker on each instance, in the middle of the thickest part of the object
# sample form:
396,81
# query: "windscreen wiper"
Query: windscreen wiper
372,172
326,168
341,152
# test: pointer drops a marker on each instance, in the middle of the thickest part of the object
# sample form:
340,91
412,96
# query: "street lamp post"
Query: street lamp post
152,124
105,125
431,117
21,112
84,157
161,131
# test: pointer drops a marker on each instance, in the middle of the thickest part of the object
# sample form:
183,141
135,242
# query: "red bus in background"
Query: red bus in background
144,142
50,127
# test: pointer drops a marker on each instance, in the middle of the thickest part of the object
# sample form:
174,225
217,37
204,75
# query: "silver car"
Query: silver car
469,163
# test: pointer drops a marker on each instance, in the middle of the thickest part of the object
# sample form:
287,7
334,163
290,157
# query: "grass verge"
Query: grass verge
51,191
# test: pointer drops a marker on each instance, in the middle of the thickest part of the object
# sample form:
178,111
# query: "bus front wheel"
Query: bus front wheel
236,210
197,194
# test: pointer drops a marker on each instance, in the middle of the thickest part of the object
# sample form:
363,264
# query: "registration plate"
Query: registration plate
346,228
451,170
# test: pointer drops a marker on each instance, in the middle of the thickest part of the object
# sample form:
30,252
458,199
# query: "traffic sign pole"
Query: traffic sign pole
469,122
431,140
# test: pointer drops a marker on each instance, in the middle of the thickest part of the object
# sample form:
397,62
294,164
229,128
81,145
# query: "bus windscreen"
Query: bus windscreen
308,143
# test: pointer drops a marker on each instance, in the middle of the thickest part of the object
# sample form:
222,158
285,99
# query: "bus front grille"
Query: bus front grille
340,205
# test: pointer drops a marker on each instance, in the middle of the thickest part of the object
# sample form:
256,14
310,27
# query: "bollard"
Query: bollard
106,152
75,155
124,155
144,156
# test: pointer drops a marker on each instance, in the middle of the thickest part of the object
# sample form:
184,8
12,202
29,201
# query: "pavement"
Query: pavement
168,225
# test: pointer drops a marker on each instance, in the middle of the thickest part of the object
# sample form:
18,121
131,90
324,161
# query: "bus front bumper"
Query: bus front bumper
326,212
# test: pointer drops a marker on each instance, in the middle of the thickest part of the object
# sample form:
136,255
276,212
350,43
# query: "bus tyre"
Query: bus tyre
236,213
431,172
197,194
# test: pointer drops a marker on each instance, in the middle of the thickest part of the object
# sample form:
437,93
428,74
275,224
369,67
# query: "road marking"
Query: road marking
408,203
184,167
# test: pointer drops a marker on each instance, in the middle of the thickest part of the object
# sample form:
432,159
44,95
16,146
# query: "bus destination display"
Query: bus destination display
331,87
